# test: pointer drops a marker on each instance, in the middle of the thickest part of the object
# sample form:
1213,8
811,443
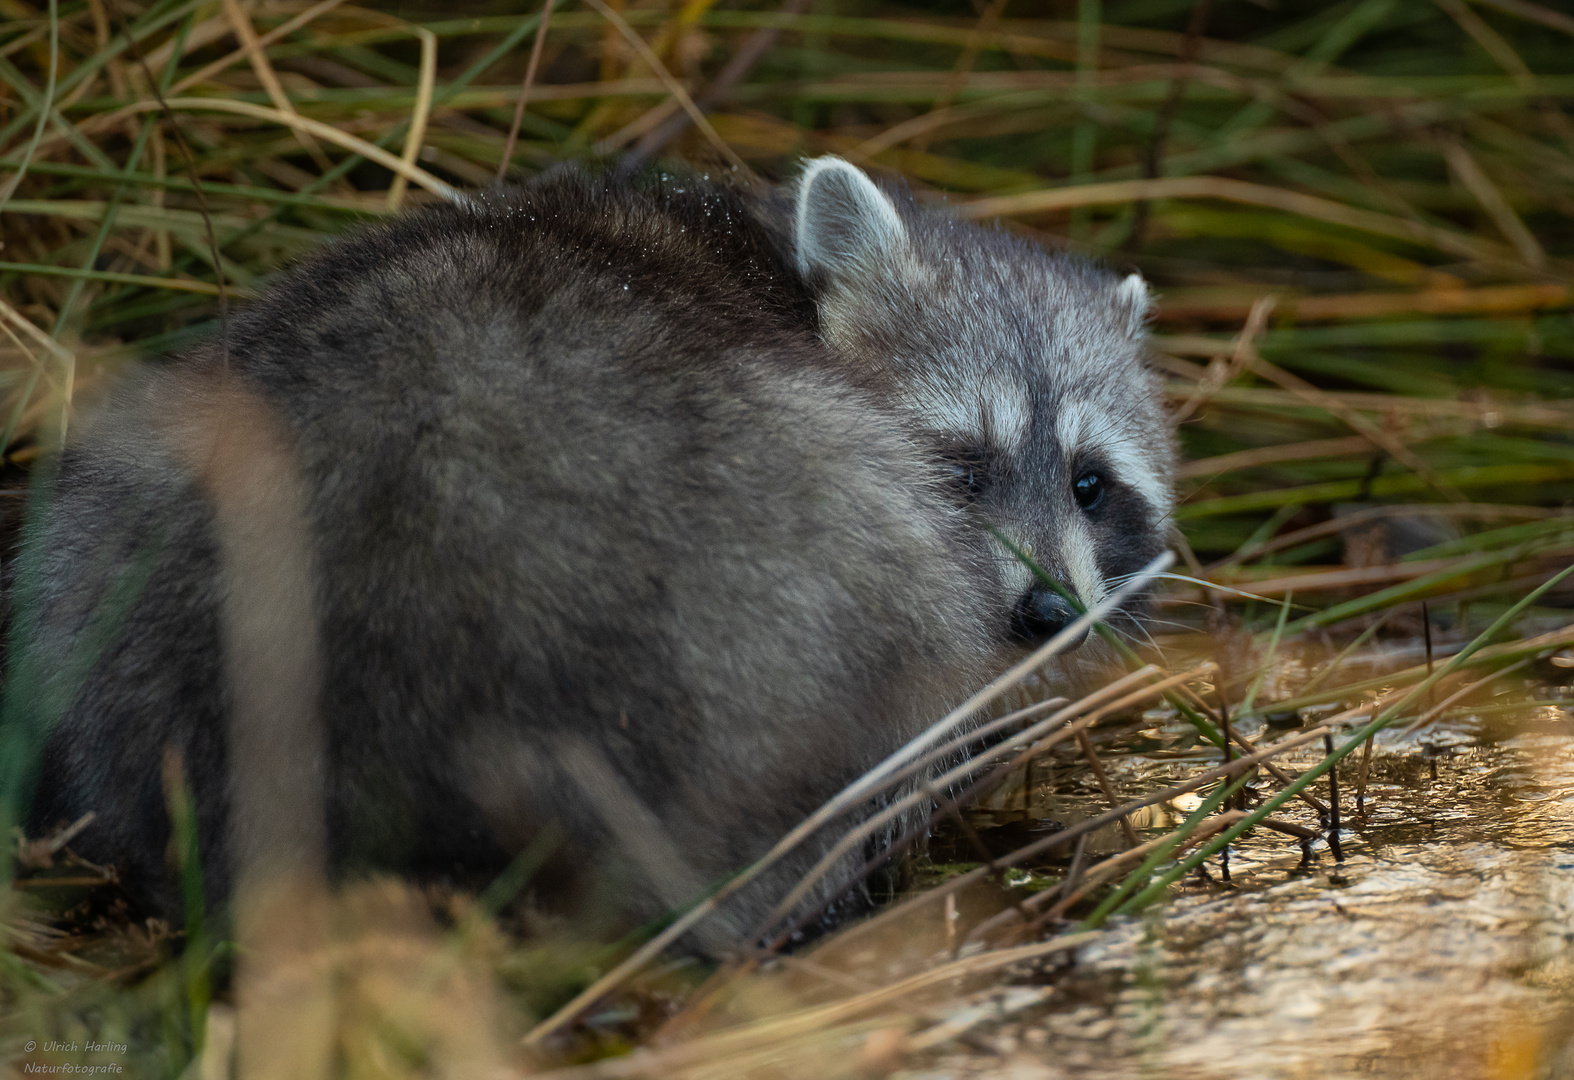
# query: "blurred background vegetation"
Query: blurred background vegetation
1390,181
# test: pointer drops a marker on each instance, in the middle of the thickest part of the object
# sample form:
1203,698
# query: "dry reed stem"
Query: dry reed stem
1379,438
421,110
853,794
1239,460
806,1022
1481,511
1536,13
1326,580
1478,183
1066,711
674,88
987,21
1038,739
1222,372
1463,692
327,132
1086,744
240,21
637,830
720,89
1486,300
206,72
1038,847
1540,645
1552,414
524,90
1241,191
1094,876
1251,747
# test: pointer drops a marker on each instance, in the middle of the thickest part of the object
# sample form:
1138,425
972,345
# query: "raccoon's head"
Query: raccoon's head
1023,366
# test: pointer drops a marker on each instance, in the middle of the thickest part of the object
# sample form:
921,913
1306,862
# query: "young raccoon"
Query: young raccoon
651,510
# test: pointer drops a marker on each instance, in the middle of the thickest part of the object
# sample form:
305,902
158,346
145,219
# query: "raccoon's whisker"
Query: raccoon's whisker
1232,591
1145,638
1145,641
1175,624
1180,601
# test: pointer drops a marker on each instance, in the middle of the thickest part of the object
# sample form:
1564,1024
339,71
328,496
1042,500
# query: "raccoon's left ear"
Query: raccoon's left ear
845,223
1133,303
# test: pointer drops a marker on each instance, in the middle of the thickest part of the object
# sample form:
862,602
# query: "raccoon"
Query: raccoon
652,512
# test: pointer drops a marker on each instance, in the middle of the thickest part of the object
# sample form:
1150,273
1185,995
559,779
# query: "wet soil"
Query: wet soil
1441,946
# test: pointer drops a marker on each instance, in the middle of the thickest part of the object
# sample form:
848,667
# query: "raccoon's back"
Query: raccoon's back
576,464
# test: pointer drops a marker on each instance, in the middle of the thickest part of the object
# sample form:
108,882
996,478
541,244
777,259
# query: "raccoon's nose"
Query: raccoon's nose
1040,614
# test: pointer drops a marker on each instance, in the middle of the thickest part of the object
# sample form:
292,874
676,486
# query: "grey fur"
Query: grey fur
629,502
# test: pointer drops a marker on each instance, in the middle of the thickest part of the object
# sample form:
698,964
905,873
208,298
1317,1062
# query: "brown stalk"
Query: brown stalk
160,104
1222,372
1074,891
864,830
1325,580
1271,455
251,46
1379,438
1535,13
1491,299
674,87
283,30
1475,179
325,132
956,884
1104,783
979,790
1482,511
524,90
1154,154
949,808
1360,781
817,1018
1250,747
987,22
245,459
720,89
1465,691
1241,191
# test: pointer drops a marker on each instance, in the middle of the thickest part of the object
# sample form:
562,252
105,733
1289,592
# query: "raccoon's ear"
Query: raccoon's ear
1134,304
844,223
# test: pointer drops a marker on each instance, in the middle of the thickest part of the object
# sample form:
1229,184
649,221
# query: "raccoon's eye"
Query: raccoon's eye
1088,490
970,471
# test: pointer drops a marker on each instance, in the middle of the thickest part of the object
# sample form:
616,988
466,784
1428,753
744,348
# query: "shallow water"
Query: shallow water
1442,945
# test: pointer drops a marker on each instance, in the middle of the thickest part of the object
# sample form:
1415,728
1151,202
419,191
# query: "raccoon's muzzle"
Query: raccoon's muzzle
1040,614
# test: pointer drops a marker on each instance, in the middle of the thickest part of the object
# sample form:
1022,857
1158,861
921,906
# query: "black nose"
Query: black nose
1040,614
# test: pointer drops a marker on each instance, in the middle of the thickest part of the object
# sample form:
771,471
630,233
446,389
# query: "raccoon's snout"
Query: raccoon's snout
1040,614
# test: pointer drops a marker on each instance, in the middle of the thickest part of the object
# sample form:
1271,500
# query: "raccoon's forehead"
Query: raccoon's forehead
1024,422
984,409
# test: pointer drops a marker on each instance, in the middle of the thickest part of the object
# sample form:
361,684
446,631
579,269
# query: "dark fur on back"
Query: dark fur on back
580,470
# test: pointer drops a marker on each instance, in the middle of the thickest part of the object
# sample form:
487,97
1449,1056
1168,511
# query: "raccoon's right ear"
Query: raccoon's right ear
844,222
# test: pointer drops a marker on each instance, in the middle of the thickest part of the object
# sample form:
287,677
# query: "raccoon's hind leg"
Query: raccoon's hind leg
126,630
